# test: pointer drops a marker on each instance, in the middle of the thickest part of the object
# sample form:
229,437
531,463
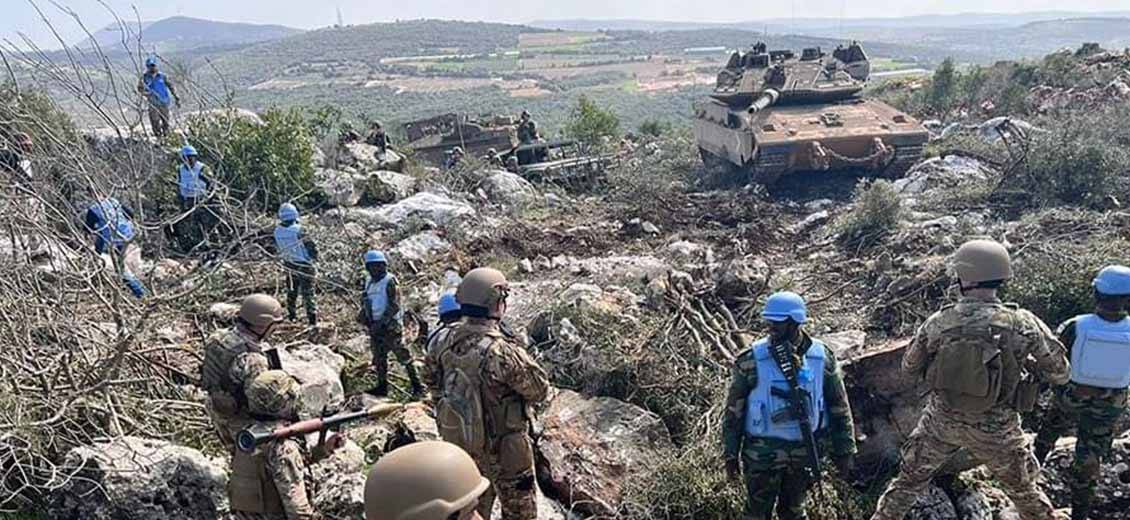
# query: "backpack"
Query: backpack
460,414
974,369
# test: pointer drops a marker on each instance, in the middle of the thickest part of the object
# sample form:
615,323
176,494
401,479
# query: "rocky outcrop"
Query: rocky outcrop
318,369
421,246
339,490
340,188
430,207
383,187
508,188
140,479
589,448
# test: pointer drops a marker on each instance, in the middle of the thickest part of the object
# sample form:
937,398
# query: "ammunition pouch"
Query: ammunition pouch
515,455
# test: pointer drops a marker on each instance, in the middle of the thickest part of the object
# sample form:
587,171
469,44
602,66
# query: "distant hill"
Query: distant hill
181,34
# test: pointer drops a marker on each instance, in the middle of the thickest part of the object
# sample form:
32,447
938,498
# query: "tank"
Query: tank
433,138
773,113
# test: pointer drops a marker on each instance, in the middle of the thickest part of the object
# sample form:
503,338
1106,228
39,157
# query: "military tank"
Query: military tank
773,113
433,138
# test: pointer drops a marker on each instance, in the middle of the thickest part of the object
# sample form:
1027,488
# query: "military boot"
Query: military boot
380,367
1081,499
414,380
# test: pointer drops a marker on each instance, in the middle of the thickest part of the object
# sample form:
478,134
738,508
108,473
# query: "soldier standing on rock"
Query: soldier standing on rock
233,357
762,439
380,308
298,253
527,129
1095,397
273,482
974,356
377,137
488,383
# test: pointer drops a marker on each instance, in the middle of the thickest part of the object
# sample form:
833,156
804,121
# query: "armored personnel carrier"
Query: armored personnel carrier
433,138
774,113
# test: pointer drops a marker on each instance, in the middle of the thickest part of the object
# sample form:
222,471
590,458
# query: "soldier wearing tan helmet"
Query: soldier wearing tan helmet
487,384
273,482
425,481
233,357
974,356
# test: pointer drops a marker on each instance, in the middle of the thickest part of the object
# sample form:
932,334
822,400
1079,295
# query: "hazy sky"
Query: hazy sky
21,16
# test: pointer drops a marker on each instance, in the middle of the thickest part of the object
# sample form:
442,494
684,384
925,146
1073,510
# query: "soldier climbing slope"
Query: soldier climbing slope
1095,397
489,382
974,355
763,439
160,93
298,253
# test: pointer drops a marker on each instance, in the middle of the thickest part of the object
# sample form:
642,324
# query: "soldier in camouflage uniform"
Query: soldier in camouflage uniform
1095,397
503,382
234,356
762,444
974,355
449,316
274,482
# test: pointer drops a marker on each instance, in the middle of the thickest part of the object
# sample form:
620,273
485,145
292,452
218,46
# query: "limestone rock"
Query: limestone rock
421,246
318,369
340,188
428,206
1112,501
590,447
508,188
382,187
340,482
224,311
134,478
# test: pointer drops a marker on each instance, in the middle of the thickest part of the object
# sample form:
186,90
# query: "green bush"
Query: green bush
1054,280
591,124
654,127
875,213
263,164
1081,159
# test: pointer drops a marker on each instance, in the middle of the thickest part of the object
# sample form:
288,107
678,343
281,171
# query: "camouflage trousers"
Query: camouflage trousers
1092,412
998,442
300,281
514,485
786,488
383,341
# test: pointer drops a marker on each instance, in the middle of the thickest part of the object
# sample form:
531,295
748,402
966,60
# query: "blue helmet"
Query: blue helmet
288,212
151,61
188,151
784,305
447,303
374,256
1113,280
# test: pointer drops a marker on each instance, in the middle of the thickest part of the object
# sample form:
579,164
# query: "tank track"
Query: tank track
905,158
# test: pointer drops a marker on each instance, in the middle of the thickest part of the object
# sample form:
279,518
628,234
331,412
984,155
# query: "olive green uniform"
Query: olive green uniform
774,470
1093,412
993,437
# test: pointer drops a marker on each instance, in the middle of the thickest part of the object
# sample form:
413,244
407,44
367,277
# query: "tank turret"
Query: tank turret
814,77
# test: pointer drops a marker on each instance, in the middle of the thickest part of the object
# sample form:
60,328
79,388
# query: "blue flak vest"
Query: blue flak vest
377,293
114,227
288,240
1100,355
158,89
761,404
191,182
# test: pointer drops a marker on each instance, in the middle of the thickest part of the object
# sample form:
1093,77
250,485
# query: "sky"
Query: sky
20,16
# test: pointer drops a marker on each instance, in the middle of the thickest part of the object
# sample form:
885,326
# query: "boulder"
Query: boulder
934,504
420,247
340,188
684,252
742,277
383,187
224,311
548,509
590,447
364,157
426,206
318,369
811,222
1111,499
942,172
616,269
508,188
356,347
339,490
135,478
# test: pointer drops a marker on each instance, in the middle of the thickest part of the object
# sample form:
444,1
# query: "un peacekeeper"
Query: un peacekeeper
298,253
974,355
273,482
111,222
431,480
159,91
235,356
381,311
1095,396
761,440
489,383
193,182
449,315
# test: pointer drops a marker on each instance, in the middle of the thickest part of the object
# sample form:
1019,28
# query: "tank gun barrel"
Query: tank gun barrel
767,99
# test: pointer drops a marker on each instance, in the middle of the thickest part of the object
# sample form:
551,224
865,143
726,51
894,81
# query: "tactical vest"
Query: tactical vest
377,293
975,368
251,488
762,404
1100,355
158,88
191,182
288,240
215,374
114,227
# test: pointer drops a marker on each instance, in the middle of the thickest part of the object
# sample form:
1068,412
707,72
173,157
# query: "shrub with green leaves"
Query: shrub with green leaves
875,213
264,164
1081,159
591,124
1054,280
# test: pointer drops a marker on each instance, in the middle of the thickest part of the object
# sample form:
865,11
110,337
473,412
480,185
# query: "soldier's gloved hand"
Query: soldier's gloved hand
844,465
733,470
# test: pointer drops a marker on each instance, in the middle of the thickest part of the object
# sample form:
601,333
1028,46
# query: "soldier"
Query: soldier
454,158
431,480
527,129
974,355
449,315
193,184
380,306
1095,397
377,137
111,222
159,92
493,159
488,383
273,482
762,439
298,253
14,156
234,356
512,164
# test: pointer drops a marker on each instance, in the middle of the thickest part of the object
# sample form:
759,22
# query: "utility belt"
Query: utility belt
1090,392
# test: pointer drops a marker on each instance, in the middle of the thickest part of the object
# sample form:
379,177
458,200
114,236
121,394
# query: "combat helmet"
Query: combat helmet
275,394
430,480
981,261
260,310
482,288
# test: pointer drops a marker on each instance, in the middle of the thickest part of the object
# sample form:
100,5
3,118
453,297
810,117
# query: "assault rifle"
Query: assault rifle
251,437
798,402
